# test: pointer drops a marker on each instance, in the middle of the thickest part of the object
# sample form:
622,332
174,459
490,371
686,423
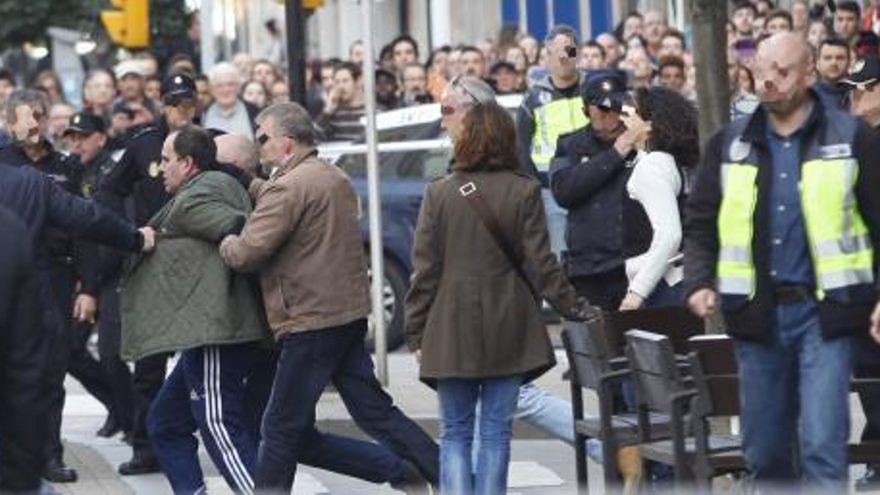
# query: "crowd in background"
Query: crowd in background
644,64
643,45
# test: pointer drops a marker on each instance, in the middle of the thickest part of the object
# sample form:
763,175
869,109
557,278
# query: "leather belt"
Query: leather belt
787,294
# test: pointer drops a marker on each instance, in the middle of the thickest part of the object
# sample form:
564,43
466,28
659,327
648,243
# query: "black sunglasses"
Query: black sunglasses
571,51
262,138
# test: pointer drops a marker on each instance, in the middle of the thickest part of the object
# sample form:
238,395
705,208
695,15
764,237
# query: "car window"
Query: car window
422,164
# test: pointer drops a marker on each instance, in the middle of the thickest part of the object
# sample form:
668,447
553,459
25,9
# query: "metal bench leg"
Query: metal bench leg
580,460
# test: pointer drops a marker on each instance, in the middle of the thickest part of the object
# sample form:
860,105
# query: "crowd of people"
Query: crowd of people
186,211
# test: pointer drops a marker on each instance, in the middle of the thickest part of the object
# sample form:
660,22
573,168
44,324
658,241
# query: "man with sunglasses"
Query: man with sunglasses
139,175
550,109
863,79
303,239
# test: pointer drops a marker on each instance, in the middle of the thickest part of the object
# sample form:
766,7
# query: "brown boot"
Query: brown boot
629,462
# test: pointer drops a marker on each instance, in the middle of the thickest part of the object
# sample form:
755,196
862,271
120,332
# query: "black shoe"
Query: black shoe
58,472
870,481
127,437
139,465
110,428
412,482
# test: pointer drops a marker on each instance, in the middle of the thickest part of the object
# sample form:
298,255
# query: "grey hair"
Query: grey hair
561,30
473,88
224,69
238,150
292,120
36,100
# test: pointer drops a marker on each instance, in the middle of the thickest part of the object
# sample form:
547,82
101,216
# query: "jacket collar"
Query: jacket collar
756,127
300,156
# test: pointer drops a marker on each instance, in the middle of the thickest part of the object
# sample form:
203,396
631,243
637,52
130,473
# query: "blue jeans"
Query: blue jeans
458,402
665,295
546,412
556,218
798,378
308,362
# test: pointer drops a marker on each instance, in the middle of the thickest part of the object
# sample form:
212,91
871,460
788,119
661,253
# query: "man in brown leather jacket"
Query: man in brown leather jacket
303,238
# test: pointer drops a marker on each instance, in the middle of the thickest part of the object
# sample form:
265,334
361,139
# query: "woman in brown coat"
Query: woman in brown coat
472,319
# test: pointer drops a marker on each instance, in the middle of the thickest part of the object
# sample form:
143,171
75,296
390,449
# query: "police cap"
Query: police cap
177,87
85,123
864,72
605,89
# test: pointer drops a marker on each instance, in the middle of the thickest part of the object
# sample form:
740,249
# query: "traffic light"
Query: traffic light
306,4
129,24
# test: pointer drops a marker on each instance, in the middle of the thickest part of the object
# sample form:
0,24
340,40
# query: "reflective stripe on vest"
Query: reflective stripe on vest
736,270
552,120
842,251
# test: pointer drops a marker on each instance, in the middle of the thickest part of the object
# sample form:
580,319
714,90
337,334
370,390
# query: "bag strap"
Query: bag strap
468,190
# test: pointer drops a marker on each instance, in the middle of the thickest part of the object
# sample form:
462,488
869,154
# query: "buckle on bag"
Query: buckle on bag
467,189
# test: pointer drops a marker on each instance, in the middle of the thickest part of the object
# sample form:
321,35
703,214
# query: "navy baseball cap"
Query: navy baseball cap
605,89
85,123
177,87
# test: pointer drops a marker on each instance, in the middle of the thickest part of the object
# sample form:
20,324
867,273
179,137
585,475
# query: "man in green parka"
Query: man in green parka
183,298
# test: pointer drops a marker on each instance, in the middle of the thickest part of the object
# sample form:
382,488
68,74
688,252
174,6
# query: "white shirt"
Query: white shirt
656,183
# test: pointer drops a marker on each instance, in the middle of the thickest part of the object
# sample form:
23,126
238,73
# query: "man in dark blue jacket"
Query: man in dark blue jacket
26,114
42,205
23,354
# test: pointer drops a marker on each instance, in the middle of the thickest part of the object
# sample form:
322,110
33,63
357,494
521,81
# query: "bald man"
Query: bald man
781,224
238,150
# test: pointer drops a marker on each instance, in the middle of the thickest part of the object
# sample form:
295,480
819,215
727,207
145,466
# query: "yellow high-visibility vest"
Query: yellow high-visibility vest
841,249
552,120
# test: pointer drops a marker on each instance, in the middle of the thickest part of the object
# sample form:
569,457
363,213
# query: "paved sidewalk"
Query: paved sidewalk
540,465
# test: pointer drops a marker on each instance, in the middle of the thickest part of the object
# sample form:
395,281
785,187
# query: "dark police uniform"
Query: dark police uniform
100,279
63,271
42,205
588,178
864,75
22,360
138,175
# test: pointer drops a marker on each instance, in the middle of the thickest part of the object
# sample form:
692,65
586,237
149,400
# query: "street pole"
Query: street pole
295,22
710,58
373,199
208,42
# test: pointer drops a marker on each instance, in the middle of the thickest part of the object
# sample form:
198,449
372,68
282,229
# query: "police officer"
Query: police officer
587,177
98,292
863,78
27,118
42,204
21,364
780,233
550,109
138,176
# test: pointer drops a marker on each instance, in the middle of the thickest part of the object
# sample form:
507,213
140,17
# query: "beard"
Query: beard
786,107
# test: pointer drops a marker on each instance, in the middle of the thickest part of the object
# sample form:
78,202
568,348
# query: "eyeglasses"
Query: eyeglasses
262,138
571,51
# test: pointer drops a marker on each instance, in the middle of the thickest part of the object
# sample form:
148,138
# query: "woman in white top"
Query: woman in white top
655,190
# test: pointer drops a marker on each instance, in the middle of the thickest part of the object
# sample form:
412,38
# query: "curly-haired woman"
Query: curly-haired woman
656,189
